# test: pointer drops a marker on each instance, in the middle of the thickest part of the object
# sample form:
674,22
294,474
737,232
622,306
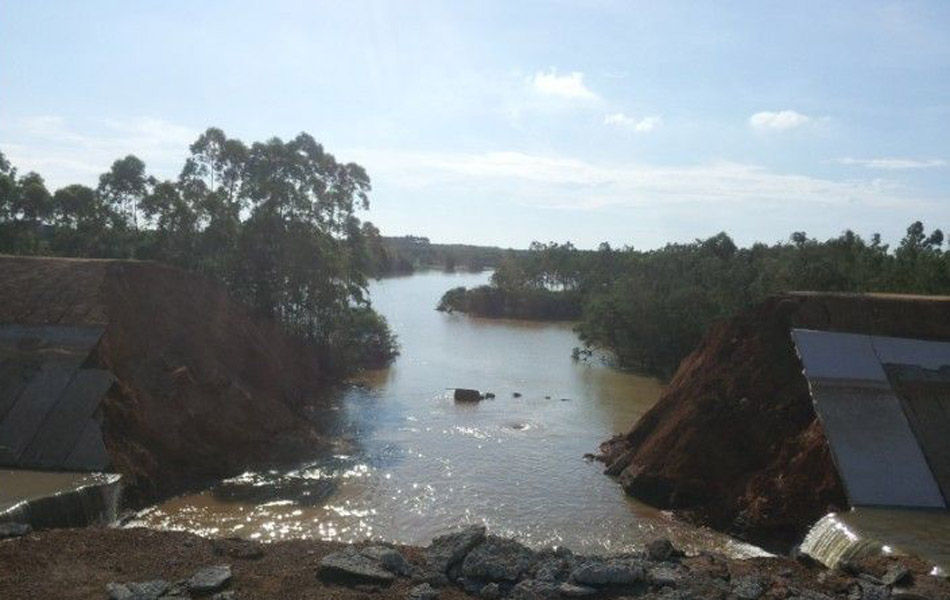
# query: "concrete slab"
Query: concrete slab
875,450
23,420
879,453
920,353
90,453
47,399
60,431
838,356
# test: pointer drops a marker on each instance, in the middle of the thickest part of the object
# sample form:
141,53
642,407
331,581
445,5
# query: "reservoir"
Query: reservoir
417,465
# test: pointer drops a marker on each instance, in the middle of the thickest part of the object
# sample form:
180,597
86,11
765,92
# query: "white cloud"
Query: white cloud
572,183
569,86
893,164
782,120
643,125
63,154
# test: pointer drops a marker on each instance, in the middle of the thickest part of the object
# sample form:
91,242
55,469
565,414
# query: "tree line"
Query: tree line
650,309
410,253
275,222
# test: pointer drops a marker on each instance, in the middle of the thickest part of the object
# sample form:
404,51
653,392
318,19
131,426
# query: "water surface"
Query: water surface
423,465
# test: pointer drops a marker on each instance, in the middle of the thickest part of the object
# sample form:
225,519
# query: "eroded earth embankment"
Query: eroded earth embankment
203,390
734,442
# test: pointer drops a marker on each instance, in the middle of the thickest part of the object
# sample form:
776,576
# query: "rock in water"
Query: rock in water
498,559
351,567
466,395
209,579
11,530
446,550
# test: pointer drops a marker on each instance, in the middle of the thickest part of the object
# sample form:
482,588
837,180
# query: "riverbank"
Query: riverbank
174,384
81,563
735,443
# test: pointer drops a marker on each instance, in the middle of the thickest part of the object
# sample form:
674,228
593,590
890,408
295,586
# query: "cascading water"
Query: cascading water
94,500
866,531
831,541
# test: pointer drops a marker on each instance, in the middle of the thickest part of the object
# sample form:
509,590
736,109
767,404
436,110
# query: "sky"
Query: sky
500,123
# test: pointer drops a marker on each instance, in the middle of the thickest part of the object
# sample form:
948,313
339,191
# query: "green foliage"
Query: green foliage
403,255
276,222
650,309
495,302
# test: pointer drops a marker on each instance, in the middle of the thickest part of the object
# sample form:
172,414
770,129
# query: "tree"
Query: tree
33,202
8,188
76,204
124,186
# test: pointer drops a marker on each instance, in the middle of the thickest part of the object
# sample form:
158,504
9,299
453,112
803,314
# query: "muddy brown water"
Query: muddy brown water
423,465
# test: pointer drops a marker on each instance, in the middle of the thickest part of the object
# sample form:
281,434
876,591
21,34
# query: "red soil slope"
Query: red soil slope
203,389
734,442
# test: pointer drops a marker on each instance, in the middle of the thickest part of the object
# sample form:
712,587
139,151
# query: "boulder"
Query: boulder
614,572
664,576
350,567
748,588
11,530
447,550
531,589
423,591
660,550
896,574
209,579
148,590
572,590
390,559
554,568
498,559
466,395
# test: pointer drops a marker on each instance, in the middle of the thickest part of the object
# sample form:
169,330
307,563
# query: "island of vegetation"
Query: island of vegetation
649,309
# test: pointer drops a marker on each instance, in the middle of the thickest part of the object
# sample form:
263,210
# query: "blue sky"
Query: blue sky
506,122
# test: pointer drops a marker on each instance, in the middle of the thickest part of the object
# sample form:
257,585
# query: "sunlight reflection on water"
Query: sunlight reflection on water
423,465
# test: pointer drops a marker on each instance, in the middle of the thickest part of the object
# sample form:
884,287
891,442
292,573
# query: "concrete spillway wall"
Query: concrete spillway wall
48,401
92,500
884,403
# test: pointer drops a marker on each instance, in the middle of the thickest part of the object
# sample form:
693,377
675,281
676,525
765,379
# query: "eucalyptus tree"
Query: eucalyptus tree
297,249
124,186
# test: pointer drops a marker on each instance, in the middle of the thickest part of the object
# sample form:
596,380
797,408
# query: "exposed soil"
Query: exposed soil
203,390
734,442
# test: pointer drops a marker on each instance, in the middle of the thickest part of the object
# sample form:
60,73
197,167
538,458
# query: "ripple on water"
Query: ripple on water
422,465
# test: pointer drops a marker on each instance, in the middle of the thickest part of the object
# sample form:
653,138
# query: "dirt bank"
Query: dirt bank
203,389
79,563
734,442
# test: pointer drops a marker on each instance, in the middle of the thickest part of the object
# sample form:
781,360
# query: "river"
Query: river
422,465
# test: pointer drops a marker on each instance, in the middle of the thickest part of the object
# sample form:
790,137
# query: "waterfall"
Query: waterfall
831,541
92,503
